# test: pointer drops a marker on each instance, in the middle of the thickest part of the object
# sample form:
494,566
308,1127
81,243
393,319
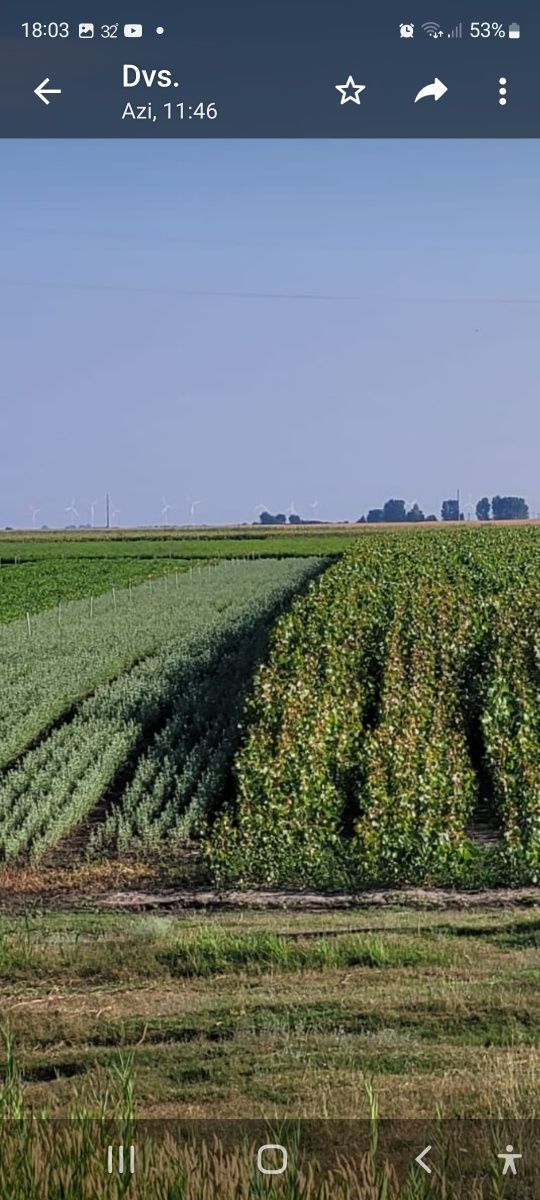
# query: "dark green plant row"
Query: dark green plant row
399,709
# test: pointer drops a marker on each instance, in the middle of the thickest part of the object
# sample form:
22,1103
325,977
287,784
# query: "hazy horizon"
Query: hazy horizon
196,523
266,323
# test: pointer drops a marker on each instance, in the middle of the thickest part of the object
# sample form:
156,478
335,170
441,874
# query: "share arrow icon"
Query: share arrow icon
435,89
420,1159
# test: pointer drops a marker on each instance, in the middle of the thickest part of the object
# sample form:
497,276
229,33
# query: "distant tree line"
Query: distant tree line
396,511
280,518
500,508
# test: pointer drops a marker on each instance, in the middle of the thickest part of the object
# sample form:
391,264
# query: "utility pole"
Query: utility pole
458,507
108,513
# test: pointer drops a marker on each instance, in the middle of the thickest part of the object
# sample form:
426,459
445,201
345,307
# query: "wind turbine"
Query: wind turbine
71,509
115,513
34,512
167,508
290,510
469,509
260,508
313,505
92,512
193,507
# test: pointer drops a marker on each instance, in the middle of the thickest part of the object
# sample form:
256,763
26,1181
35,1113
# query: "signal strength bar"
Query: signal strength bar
457,31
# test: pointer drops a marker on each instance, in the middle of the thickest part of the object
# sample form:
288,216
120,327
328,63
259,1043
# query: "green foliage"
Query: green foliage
86,698
210,952
419,787
399,700
34,586
185,768
509,508
396,706
256,542
394,510
450,510
511,731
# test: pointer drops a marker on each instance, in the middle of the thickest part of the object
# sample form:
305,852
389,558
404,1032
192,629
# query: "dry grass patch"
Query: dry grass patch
244,1014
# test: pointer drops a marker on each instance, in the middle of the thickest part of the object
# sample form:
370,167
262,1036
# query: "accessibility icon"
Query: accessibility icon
510,1157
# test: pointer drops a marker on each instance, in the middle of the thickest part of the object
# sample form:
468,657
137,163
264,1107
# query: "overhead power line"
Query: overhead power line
237,294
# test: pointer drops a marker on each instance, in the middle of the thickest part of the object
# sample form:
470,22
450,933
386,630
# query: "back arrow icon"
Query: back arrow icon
43,91
435,89
420,1160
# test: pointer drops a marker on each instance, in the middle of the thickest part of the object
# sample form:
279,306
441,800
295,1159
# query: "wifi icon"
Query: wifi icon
433,29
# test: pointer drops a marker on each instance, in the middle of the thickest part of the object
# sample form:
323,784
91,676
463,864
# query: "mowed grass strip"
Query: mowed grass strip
429,1008
432,1009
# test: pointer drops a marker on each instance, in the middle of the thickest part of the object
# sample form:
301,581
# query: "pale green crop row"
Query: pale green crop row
167,639
186,765
59,658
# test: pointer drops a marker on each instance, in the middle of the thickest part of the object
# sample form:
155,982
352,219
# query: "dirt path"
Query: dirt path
170,900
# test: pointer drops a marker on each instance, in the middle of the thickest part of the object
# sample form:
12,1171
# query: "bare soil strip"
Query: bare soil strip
169,900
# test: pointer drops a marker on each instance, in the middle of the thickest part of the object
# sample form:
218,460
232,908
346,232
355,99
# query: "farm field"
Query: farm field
400,707
45,570
39,571
31,586
170,546
381,727
138,692
366,717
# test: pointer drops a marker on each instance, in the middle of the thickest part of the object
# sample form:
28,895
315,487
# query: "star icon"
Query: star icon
350,90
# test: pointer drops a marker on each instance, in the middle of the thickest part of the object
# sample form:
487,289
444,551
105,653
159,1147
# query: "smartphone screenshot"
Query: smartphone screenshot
269,600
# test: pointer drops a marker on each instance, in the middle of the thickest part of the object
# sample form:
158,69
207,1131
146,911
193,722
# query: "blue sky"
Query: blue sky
249,323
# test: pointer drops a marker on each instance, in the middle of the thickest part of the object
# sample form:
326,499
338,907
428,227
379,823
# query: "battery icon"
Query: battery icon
514,30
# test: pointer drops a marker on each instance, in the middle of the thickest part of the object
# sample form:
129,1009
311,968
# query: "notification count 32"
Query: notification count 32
134,76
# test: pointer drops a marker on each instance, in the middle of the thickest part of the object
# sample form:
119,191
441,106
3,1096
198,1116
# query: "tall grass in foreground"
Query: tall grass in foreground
43,1159
210,951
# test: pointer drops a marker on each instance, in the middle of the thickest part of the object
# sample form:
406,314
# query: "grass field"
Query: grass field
265,1014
